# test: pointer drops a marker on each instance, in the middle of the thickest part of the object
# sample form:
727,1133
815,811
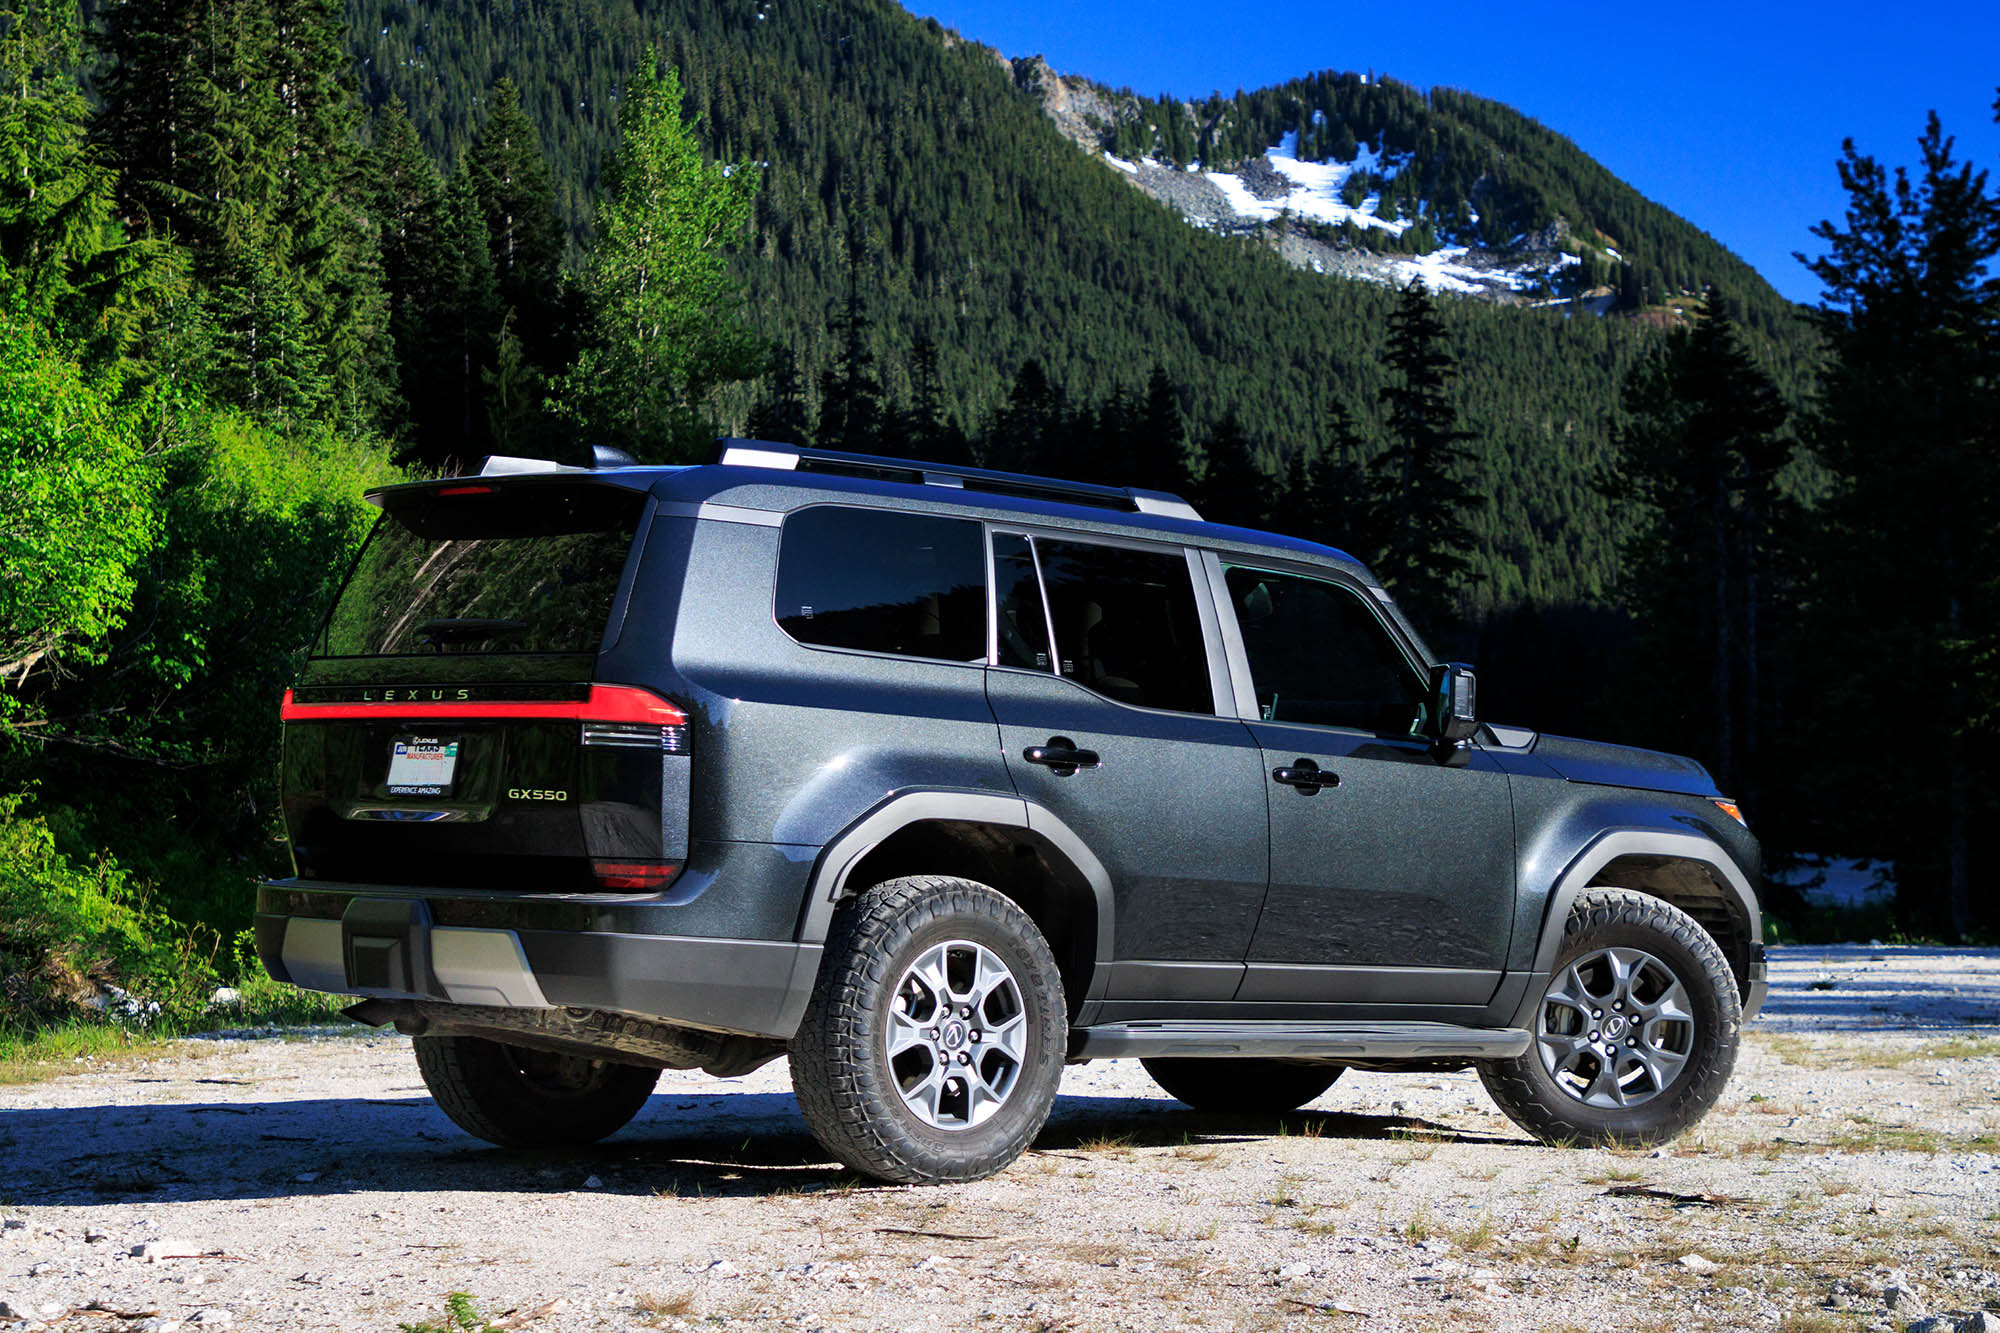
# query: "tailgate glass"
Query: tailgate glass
525,569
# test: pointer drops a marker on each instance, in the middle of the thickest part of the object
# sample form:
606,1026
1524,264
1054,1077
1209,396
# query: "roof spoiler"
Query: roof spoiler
601,456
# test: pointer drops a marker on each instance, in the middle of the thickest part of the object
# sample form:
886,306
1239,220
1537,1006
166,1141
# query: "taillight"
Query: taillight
621,709
626,876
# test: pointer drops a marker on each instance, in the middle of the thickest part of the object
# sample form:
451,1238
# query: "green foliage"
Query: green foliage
916,180
63,261
1423,505
234,135
1711,553
69,928
460,1316
167,749
1906,604
666,326
76,510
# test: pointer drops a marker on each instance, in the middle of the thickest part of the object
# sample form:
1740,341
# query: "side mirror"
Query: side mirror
1454,703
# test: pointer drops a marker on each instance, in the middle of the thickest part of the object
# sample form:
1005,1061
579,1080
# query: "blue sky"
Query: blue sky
1731,115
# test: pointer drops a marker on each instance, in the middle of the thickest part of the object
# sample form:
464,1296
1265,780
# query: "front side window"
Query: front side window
884,582
1125,624
1319,655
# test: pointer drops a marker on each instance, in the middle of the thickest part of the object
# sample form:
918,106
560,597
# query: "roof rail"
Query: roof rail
798,458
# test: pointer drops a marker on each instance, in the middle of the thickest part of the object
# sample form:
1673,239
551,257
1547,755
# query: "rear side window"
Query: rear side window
1126,624
884,582
525,569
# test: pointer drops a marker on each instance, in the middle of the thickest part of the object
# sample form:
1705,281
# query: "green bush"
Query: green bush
70,930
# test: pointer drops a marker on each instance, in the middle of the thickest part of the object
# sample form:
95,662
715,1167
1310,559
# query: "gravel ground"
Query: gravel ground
1850,1178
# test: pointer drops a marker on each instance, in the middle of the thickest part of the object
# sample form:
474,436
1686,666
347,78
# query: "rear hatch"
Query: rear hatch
448,729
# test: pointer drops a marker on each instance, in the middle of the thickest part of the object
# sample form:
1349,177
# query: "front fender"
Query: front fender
1580,829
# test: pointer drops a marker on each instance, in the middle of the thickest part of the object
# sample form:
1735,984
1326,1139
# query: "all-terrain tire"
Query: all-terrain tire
520,1098
856,1098
1241,1087
1552,1106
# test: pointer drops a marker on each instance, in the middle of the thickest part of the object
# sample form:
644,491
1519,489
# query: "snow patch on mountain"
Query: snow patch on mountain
1313,190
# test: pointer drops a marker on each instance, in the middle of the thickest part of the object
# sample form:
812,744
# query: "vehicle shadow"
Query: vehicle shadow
732,1144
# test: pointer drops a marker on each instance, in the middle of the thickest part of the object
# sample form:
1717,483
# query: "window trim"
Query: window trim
1221,685
1239,657
986,572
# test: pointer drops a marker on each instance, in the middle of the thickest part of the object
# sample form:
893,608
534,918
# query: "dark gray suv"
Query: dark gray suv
935,779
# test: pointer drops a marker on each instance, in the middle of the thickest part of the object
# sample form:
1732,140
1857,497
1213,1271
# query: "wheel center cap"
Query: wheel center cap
953,1034
1614,1027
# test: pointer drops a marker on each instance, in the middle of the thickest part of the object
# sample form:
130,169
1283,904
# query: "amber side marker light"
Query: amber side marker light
1731,809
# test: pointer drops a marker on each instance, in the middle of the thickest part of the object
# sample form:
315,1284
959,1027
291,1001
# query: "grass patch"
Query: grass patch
1107,1143
460,1316
1419,1228
1477,1236
1879,1054
653,1305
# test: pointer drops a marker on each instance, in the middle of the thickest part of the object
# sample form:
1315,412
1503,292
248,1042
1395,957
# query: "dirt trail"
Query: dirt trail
1850,1179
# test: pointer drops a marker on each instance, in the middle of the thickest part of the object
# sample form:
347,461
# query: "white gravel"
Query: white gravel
1851,1175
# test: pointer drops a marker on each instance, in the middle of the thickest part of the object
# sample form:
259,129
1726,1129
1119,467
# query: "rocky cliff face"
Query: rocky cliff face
1296,207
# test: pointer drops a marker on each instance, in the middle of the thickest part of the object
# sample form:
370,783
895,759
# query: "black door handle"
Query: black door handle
1061,755
1307,776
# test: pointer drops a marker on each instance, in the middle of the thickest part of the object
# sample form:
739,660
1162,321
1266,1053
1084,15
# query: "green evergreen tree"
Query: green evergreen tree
1425,505
64,260
667,324
1906,420
1160,446
1234,488
468,331
1030,432
524,232
234,132
1699,466
850,392
782,415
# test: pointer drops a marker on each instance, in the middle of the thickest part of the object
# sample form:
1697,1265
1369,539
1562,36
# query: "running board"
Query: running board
1319,1041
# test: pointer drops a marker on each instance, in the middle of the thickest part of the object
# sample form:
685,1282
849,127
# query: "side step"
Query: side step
1324,1041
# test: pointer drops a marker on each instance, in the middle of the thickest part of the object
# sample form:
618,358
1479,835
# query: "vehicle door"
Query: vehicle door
1392,874
1110,689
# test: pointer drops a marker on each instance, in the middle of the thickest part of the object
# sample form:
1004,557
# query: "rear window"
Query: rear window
884,582
530,569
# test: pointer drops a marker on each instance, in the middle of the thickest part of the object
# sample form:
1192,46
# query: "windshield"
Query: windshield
491,570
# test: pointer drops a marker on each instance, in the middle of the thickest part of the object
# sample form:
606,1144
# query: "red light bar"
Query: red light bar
466,490
633,874
607,703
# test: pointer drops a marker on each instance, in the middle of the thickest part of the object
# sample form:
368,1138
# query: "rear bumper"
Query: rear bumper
517,953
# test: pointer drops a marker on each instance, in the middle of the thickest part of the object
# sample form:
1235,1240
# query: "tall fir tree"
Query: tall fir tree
850,390
1905,418
64,257
1160,449
509,175
667,315
1698,475
1234,488
1424,504
235,133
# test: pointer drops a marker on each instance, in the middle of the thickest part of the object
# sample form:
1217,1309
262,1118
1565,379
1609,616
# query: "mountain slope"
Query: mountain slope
979,227
1365,168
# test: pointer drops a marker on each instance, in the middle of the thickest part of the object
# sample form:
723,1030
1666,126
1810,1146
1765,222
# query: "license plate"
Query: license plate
422,765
